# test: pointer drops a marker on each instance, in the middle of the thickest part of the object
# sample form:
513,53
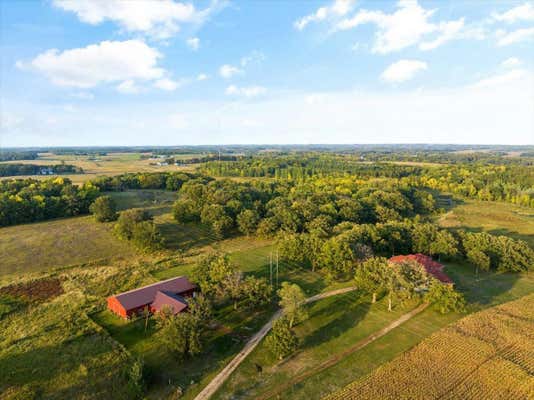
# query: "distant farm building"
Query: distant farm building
171,293
432,267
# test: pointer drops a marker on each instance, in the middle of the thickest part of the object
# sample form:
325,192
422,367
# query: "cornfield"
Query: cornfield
488,355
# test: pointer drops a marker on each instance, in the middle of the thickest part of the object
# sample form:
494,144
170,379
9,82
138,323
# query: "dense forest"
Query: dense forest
33,169
332,224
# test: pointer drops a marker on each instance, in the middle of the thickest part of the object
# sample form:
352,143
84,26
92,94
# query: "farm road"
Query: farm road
222,376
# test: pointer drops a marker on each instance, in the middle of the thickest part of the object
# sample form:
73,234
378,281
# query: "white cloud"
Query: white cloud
247,91
338,8
83,95
511,62
160,19
409,25
193,43
107,61
254,57
128,87
517,36
523,12
227,71
513,76
448,31
202,77
403,70
168,84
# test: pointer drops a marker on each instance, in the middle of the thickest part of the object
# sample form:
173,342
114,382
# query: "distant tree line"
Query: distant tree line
34,169
509,181
18,155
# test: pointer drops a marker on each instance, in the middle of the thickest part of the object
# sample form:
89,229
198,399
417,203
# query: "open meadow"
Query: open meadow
492,217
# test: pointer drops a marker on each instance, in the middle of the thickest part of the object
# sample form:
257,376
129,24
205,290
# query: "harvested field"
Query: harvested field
34,291
488,355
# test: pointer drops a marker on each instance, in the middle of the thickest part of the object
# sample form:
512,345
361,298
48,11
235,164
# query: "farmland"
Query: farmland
485,355
108,165
56,275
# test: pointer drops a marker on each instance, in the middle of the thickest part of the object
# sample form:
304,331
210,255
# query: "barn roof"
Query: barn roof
145,295
432,267
168,299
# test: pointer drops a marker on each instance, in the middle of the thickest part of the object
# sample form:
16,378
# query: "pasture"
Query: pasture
58,243
492,217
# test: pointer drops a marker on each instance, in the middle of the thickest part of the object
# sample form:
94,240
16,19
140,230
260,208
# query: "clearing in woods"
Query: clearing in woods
492,217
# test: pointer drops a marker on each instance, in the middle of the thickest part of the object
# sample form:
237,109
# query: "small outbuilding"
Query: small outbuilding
172,293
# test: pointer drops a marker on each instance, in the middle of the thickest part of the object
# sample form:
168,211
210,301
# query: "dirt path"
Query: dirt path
221,377
338,357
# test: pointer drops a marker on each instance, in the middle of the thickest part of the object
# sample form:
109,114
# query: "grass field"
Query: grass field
496,218
78,240
487,355
58,243
353,319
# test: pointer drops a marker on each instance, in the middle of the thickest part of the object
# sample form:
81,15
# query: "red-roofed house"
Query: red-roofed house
171,292
432,267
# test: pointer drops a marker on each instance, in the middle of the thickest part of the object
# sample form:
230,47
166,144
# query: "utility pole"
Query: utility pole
277,268
271,268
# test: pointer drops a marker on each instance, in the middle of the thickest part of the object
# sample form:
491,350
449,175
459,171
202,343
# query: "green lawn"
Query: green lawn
338,322
163,370
58,243
493,217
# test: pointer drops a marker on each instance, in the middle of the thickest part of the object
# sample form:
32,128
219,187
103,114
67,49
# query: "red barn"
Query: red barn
171,292
432,267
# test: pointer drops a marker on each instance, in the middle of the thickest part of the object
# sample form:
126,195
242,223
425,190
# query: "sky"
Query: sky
124,72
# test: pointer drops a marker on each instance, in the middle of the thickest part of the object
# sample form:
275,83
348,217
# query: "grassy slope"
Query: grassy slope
355,319
71,241
58,243
496,218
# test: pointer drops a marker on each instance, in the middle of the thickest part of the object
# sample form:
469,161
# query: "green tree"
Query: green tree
104,209
292,302
146,236
247,221
185,210
256,291
181,334
282,340
444,298
128,220
371,276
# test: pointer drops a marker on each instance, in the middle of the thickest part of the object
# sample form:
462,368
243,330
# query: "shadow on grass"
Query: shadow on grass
353,313
482,288
184,236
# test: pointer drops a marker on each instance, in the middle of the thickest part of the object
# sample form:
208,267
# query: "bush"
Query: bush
104,209
282,340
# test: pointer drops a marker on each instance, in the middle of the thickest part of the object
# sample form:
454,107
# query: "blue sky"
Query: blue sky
91,72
